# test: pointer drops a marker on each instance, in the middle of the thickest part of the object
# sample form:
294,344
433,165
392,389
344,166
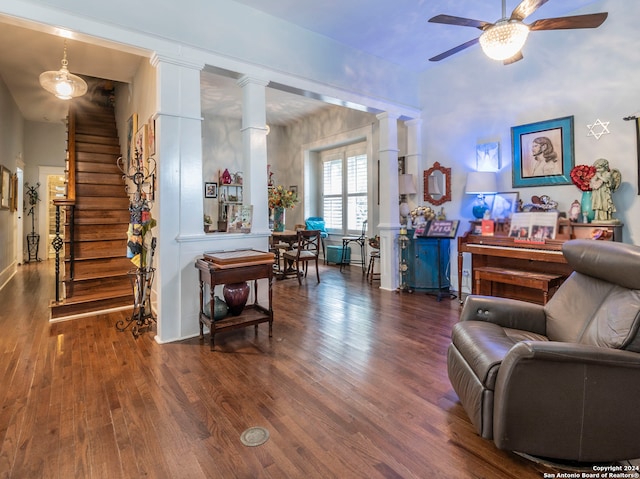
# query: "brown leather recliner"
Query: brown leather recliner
559,381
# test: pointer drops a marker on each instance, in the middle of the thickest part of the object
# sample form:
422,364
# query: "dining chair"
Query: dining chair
359,240
317,223
308,249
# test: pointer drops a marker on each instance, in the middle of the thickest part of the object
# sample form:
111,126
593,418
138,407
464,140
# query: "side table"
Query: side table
235,267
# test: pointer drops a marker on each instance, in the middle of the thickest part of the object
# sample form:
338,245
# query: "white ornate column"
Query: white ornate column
413,161
179,199
389,208
254,145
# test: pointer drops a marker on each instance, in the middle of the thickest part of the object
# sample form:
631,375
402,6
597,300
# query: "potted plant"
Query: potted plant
207,223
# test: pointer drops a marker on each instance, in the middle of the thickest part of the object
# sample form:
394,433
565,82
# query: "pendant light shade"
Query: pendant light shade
504,39
62,83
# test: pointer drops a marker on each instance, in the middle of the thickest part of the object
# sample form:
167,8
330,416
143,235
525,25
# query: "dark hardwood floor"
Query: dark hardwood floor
353,384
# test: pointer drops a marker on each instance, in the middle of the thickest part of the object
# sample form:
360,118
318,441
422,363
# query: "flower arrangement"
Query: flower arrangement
281,197
581,176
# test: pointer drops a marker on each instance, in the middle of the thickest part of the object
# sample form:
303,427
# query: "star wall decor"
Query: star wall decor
597,133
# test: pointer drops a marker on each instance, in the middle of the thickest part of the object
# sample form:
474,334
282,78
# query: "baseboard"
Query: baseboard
8,273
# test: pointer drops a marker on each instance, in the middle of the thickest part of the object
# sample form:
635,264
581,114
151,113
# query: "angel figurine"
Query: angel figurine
603,183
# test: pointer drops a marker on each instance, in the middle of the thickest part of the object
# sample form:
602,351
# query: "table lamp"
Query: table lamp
405,187
481,183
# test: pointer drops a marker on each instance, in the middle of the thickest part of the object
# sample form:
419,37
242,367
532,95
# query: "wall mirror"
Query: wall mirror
437,184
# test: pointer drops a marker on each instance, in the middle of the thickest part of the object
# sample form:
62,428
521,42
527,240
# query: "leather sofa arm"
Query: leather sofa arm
505,312
568,400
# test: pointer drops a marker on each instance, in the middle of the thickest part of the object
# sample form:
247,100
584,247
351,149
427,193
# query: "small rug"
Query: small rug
254,436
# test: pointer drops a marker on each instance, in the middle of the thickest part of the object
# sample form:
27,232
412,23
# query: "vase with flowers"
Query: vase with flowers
280,199
581,177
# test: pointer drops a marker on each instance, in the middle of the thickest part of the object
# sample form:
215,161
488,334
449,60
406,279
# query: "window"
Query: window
344,189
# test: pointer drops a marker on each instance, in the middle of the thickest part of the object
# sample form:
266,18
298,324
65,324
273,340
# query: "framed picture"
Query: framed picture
13,193
504,205
132,128
534,227
442,229
5,186
543,153
151,136
488,157
140,145
211,190
294,189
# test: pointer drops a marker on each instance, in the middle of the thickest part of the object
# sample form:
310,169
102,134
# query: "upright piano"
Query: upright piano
502,251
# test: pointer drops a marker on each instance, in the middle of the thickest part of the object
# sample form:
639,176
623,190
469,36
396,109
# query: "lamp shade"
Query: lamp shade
62,83
406,186
504,39
481,183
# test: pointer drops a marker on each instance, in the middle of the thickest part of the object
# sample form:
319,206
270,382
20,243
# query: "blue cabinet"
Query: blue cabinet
422,261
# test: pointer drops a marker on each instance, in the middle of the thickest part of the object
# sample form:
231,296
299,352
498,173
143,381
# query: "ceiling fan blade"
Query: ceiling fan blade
517,57
526,8
463,22
592,20
457,49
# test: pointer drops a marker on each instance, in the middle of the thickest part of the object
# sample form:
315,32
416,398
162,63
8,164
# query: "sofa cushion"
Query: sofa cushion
483,345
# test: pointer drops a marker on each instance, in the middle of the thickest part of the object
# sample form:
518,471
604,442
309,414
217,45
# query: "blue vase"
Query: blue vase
586,207
278,218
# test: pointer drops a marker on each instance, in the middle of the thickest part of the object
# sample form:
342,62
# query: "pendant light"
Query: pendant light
505,38
62,83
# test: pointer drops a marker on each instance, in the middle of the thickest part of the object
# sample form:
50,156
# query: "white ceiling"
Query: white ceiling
396,31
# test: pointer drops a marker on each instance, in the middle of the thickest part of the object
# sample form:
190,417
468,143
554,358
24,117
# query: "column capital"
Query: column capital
158,58
387,115
415,122
248,79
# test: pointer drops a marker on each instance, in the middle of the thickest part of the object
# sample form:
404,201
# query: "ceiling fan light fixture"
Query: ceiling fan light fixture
504,39
62,83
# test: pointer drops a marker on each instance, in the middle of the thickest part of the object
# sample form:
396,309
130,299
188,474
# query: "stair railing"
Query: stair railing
68,203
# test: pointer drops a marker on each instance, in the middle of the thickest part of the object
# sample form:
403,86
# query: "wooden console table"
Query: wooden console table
235,267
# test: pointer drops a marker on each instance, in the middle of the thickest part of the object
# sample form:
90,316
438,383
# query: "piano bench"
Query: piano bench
547,283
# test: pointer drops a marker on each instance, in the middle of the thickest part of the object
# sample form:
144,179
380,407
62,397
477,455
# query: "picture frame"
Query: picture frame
5,186
543,153
211,190
140,144
294,189
504,205
442,229
151,136
132,128
488,156
239,218
13,193
534,227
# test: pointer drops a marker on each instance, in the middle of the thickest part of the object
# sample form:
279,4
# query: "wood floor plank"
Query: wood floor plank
353,384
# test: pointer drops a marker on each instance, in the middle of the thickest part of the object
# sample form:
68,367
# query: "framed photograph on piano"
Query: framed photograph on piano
543,153
504,205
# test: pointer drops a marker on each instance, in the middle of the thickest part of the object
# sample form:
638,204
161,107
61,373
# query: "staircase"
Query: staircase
95,272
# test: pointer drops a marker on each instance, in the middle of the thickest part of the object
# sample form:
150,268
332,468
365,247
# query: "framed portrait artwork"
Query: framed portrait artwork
543,153
211,190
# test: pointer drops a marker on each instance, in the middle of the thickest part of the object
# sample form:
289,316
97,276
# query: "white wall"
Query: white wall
588,74
11,139
45,150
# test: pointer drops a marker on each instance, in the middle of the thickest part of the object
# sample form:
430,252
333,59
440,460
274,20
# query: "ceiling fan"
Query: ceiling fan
504,39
